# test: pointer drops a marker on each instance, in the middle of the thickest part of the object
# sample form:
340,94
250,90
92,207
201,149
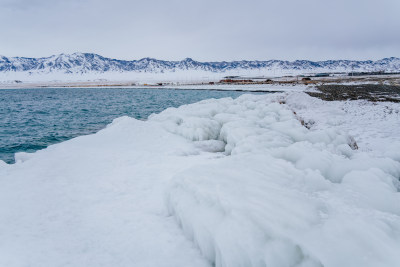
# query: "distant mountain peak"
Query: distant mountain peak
188,59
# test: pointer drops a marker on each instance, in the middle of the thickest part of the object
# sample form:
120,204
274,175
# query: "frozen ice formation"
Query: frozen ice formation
220,182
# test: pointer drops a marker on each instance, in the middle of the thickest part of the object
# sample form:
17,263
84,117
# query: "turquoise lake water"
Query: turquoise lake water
32,119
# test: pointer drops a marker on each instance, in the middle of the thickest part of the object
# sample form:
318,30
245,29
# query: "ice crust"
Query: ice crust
220,182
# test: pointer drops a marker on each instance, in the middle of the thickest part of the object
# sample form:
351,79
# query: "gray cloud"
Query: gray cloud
204,30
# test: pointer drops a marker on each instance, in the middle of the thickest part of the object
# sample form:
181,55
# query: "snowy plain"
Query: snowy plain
263,180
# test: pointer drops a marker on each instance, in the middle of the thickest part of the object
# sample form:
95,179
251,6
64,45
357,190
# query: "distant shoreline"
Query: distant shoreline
279,84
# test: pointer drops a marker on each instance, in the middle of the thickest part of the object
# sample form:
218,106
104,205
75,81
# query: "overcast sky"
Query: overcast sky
203,29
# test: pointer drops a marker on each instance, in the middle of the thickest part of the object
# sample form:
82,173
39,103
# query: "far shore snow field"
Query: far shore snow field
257,84
199,86
279,180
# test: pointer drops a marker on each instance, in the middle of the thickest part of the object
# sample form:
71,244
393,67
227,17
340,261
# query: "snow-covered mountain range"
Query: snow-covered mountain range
89,65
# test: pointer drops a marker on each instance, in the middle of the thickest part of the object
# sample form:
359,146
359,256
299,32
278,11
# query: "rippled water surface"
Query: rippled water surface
32,119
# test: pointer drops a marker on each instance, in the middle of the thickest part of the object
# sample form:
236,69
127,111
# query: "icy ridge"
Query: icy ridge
287,196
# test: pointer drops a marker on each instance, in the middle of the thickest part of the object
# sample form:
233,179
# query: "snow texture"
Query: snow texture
220,182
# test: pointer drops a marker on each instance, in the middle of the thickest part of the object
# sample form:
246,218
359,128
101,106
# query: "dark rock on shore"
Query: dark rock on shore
370,92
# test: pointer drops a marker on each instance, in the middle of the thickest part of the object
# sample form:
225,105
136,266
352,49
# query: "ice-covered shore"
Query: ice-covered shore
221,182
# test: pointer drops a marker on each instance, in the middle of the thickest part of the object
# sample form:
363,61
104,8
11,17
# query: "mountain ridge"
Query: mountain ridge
82,63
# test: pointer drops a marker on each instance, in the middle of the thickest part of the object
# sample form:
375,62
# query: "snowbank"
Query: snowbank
374,125
248,184
286,196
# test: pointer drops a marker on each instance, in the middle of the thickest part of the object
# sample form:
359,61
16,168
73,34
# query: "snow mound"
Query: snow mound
272,214
374,125
247,182
287,196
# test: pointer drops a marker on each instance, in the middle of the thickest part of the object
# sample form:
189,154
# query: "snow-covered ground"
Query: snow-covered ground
220,87
374,125
221,182
180,76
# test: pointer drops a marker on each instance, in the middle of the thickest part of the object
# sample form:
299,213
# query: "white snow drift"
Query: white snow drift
245,182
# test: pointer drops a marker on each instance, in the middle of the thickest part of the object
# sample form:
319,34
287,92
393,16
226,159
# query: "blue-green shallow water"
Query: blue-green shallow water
32,119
